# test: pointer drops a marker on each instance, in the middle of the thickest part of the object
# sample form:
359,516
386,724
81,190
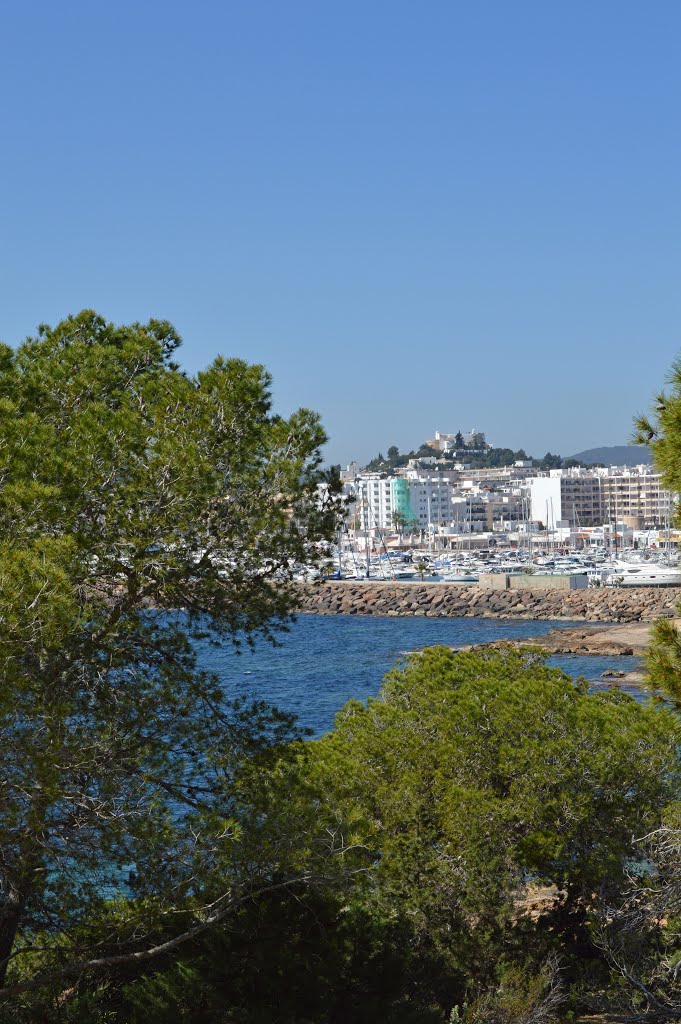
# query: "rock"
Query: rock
379,598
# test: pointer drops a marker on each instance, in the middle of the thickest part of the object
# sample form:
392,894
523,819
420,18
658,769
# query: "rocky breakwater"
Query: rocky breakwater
441,600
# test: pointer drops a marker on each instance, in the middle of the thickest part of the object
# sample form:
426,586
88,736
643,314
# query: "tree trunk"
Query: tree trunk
10,918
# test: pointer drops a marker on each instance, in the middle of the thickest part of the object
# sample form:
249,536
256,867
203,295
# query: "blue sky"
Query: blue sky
417,216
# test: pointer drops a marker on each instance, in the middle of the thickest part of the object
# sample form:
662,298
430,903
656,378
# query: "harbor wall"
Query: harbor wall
499,581
437,600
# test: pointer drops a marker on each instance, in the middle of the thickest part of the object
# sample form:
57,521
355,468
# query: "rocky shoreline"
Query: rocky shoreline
634,604
633,609
607,641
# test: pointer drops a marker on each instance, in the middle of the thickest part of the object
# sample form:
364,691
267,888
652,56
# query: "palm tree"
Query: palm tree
399,522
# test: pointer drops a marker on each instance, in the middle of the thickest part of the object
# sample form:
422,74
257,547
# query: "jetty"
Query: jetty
616,621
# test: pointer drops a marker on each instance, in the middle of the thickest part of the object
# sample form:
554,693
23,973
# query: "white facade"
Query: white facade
443,442
545,498
471,514
350,472
591,497
413,503
580,498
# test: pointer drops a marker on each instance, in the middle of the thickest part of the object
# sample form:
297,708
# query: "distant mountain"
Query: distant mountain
616,455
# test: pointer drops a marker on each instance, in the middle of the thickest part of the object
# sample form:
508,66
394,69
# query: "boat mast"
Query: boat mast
366,531
528,523
553,534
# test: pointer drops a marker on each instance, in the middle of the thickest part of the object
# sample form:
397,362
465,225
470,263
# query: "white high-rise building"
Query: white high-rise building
590,497
383,503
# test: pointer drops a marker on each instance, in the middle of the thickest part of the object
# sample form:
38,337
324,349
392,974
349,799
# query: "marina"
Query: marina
632,568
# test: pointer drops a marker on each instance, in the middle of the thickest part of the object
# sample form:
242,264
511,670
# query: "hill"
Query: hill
616,455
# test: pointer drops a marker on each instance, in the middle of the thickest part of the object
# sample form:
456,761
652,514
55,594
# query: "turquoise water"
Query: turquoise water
327,659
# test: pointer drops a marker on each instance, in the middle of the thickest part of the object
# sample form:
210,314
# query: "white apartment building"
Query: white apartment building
471,514
416,501
632,495
500,499
380,502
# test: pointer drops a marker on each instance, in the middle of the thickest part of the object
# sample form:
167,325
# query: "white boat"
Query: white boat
459,574
643,575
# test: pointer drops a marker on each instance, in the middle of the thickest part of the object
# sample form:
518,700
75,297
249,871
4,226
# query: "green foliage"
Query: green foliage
551,461
472,773
399,521
521,996
385,868
661,432
128,485
663,659
480,456
492,458
394,460
640,934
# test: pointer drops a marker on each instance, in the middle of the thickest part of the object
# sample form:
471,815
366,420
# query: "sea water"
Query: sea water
325,660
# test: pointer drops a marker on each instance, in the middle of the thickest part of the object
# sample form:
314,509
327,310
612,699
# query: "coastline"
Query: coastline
607,639
616,621
599,605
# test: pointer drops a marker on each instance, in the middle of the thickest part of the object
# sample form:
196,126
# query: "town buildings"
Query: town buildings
398,502
442,442
425,497
632,495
